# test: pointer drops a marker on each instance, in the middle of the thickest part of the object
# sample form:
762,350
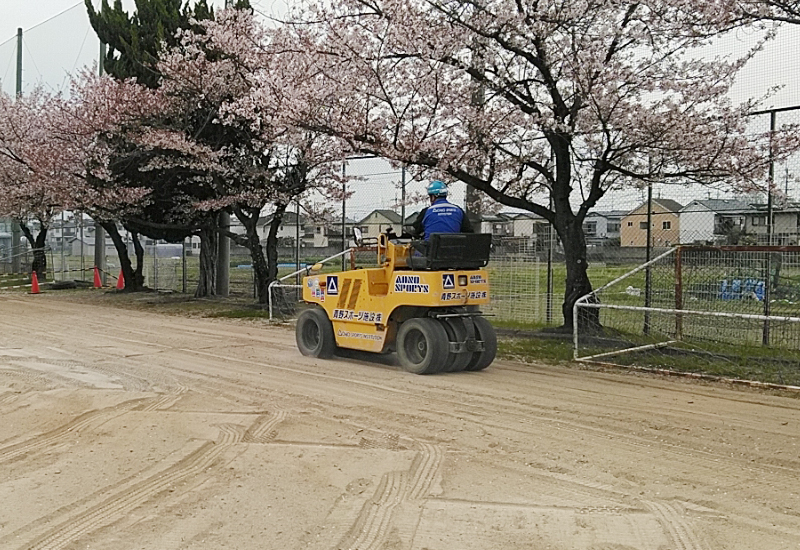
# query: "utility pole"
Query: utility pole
16,230
224,246
403,197
99,232
224,256
344,211
472,200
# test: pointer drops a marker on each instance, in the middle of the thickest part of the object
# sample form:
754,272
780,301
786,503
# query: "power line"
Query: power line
56,15
10,61
66,76
43,22
30,55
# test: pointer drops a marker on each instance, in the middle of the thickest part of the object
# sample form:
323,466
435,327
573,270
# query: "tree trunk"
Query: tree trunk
138,249
132,283
577,283
207,281
39,264
262,273
272,241
272,256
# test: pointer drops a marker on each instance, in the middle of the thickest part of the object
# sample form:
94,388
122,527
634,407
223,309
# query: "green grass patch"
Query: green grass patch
535,350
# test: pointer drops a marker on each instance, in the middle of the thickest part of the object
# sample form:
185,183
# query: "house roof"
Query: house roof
523,216
499,217
667,204
721,205
411,218
390,215
608,214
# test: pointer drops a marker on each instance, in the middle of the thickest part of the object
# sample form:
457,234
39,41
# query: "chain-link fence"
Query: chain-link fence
721,310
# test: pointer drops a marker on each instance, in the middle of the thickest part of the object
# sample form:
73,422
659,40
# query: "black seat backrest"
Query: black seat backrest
458,250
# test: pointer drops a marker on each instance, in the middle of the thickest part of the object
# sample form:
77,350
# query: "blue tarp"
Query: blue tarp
739,289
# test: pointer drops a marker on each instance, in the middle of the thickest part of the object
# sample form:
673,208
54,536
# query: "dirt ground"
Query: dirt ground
137,430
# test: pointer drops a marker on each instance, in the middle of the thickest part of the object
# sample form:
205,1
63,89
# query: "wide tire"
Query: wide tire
422,346
483,331
456,332
314,334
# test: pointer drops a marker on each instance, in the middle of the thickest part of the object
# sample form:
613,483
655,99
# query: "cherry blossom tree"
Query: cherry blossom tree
91,124
34,185
543,106
207,157
54,156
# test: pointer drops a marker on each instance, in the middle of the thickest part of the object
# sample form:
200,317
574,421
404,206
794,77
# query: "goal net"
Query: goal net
730,311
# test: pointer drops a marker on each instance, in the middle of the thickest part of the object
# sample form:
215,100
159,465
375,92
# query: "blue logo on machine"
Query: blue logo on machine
448,280
332,286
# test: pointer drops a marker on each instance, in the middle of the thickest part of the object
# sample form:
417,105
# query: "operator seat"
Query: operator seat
445,251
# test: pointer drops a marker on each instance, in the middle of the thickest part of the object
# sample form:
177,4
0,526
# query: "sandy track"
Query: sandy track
123,429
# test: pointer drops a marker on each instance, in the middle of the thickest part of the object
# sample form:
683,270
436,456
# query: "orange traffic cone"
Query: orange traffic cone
97,282
120,281
34,283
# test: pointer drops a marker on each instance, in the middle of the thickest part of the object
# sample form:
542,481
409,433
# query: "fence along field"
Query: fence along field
728,311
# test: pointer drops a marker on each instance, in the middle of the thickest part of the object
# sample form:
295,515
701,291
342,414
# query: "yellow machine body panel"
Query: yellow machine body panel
360,302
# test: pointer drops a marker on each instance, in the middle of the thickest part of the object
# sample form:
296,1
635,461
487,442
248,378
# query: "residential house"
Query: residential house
602,228
717,221
377,221
785,224
665,229
527,224
75,246
327,232
290,227
498,225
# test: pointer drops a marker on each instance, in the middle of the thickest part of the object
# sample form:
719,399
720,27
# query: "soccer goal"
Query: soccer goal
721,310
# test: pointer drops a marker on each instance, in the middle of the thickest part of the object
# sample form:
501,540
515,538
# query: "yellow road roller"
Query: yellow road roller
421,300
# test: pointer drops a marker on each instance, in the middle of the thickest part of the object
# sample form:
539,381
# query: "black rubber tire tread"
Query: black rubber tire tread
456,332
314,334
421,331
483,331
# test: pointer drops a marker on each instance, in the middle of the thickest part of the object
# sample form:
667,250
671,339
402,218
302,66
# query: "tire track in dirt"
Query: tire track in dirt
424,469
678,529
263,429
165,401
523,414
58,435
578,487
374,521
119,500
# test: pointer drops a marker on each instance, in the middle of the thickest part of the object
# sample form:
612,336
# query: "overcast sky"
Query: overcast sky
58,41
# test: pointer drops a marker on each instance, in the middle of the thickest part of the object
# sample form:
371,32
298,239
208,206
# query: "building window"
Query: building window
319,230
666,225
630,224
613,227
642,225
759,220
590,228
